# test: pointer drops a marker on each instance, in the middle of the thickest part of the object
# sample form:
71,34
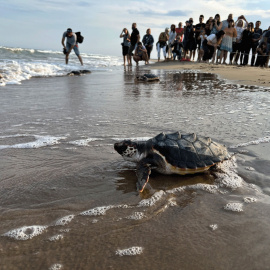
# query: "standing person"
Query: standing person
172,36
215,27
140,54
148,42
216,24
180,31
266,39
257,35
237,42
227,41
162,42
201,38
225,23
188,42
192,40
125,45
246,44
210,43
134,39
71,43
198,29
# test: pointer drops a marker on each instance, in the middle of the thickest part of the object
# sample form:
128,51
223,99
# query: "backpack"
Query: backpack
79,37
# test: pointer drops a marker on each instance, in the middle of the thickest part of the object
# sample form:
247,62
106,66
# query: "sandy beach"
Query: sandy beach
69,201
246,75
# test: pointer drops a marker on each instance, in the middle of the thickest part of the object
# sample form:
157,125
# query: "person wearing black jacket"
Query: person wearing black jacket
246,44
134,39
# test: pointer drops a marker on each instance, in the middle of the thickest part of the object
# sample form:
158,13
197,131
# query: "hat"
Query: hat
69,30
167,29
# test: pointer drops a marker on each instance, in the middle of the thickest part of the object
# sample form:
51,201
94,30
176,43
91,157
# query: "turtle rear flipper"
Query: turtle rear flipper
143,172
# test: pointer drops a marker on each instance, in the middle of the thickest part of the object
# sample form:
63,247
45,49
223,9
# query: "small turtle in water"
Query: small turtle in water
147,78
78,72
174,153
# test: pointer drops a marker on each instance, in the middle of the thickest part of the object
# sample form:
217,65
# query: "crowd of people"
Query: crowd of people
213,41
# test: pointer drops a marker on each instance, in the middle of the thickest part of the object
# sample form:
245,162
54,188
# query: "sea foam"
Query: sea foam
129,251
64,220
56,266
234,206
255,142
152,201
26,232
40,141
97,211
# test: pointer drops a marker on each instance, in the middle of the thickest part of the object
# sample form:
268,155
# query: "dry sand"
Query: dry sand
238,74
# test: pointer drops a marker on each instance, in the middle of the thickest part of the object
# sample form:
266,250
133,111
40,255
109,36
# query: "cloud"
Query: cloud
158,14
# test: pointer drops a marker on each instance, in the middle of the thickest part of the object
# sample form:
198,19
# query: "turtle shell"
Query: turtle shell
151,77
189,151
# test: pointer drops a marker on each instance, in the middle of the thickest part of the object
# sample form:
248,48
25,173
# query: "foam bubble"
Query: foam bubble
250,199
229,180
98,211
64,220
56,266
235,207
213,227
129,251
64,230
152,201
124,206
205,187
172,202
136,216
26,232
56,237
227,176
175,190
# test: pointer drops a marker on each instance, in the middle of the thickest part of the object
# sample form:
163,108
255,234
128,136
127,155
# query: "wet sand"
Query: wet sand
59,172
246,75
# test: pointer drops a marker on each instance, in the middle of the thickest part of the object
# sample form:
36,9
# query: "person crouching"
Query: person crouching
177,48
140,54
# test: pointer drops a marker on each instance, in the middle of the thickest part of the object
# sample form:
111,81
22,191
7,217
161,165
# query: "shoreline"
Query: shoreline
246,75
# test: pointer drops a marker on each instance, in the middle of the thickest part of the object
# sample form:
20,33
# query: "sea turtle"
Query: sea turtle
147,78
173,153
79,72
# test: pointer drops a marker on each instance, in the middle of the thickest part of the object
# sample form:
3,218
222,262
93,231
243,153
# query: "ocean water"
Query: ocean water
18,64
69,201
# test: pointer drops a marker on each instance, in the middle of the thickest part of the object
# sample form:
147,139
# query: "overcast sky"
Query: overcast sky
39,24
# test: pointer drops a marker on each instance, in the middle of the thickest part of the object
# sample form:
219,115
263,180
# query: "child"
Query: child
201,37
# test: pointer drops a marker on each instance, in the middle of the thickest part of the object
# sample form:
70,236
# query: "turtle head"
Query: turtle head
129,150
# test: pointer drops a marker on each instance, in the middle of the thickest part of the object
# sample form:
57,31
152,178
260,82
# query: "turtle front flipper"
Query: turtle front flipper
143,172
